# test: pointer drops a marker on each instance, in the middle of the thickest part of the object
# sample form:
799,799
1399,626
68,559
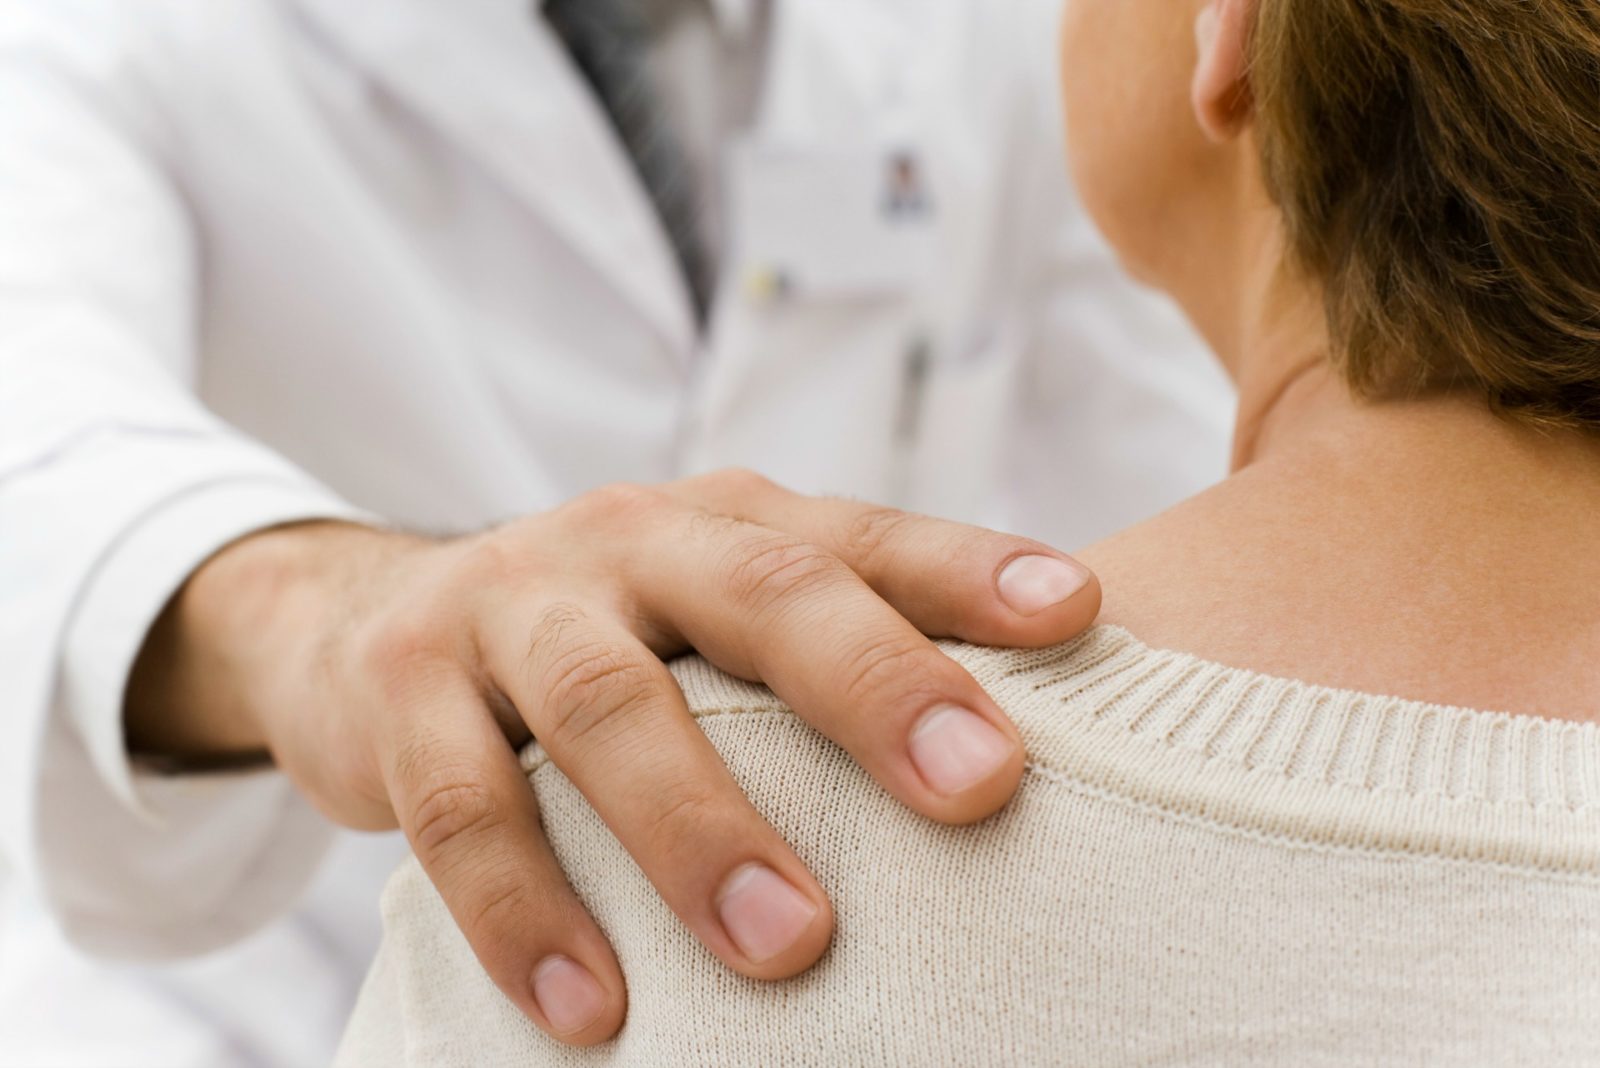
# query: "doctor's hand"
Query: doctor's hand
392,678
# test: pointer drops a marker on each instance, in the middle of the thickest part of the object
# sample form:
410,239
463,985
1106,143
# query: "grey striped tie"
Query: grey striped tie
609,41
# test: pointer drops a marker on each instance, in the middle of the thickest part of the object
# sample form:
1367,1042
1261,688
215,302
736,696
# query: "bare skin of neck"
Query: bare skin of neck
1424,549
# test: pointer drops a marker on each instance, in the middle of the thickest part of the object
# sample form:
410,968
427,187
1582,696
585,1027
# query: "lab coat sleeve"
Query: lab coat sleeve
1113,374
115,483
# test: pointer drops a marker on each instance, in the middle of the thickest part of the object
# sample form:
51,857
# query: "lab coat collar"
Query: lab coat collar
491,76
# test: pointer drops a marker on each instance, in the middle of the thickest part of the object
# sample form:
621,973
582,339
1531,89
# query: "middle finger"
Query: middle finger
614,721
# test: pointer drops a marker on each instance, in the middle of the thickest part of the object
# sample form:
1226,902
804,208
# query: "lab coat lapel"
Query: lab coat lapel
856,44
493,77
805,379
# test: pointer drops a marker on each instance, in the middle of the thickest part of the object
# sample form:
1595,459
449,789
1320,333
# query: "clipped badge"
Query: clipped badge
906,195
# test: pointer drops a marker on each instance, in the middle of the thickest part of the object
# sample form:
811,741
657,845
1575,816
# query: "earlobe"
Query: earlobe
1220,92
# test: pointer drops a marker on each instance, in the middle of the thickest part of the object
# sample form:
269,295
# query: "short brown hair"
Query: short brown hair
1438,166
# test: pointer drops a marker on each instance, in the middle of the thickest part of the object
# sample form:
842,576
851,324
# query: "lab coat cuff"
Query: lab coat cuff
135,581
198,860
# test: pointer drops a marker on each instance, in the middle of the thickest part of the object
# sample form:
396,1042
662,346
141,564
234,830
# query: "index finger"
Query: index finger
763,605
947,579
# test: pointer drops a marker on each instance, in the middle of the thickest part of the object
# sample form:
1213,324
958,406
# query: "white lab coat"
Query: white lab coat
263,260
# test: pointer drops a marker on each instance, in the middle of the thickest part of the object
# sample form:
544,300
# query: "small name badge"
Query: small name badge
831,222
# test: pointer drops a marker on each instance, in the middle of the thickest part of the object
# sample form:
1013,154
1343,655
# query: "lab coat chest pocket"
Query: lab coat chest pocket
855,351
845,221
832,251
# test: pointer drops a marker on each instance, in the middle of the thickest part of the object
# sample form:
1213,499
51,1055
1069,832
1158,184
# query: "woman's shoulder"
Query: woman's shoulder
1266,755
1424,590
1178,817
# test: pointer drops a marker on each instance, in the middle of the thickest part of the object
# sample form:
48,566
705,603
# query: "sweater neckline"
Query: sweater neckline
1336,767
1272,758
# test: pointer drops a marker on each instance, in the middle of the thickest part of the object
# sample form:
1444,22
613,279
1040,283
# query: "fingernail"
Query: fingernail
762,912
567,994
955,749
1030,584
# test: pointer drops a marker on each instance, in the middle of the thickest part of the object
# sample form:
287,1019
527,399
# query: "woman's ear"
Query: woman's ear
1220,92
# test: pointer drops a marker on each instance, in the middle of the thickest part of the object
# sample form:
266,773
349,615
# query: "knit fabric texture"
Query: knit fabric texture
1203,866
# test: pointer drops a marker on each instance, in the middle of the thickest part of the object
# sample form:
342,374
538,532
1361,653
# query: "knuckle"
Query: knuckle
451,809
592,672
682,814
767,571
731,490
497,911
741,482
590,683
874,670
618,503
399,649
873,533
489,558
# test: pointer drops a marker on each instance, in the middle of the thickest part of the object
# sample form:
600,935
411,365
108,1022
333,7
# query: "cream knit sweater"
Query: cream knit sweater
1204,866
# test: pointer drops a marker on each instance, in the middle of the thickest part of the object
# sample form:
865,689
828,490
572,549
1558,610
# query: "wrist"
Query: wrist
233,642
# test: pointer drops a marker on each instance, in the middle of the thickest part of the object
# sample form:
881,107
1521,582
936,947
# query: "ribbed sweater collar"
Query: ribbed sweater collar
1272,758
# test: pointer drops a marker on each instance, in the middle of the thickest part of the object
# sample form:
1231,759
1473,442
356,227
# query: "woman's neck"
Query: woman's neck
1425,547
1291,398
1269,325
